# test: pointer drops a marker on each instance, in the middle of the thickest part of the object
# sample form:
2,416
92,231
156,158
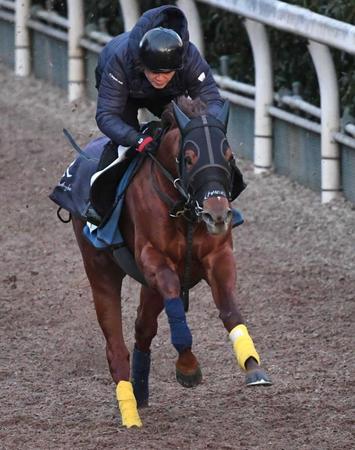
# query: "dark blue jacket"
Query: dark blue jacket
123,87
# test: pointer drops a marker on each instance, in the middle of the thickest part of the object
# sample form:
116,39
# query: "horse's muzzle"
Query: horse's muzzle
217,214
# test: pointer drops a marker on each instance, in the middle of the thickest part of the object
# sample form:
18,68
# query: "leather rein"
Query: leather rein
185,208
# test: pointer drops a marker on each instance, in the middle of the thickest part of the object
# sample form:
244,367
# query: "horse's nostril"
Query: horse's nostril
207,217
217,218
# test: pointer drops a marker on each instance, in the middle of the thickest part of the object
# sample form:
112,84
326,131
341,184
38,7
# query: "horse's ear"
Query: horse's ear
224,114
180,117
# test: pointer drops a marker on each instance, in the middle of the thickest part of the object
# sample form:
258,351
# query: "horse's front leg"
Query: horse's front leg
221,276
146,327
106,280
161,275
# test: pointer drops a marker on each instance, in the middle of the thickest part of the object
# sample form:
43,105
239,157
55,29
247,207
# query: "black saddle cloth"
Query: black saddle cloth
74,191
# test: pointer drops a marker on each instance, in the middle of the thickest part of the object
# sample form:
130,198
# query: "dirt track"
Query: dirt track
296,261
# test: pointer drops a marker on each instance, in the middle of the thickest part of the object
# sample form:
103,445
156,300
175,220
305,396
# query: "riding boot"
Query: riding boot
92,216
108,155
238,184
238,187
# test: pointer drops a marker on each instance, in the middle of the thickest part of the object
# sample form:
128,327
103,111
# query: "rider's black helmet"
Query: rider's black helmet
161,49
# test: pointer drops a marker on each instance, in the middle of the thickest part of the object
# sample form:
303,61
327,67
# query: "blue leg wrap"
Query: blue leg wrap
140,376
181,337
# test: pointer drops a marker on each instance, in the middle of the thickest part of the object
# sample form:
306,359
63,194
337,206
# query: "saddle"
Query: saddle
88,187
111,169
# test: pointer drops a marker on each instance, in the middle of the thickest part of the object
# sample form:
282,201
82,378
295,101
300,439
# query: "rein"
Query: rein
167,174
188,207
178,209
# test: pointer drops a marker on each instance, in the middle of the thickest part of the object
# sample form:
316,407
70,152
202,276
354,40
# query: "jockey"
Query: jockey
148,67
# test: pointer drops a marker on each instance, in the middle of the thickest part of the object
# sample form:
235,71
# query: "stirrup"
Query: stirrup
92,216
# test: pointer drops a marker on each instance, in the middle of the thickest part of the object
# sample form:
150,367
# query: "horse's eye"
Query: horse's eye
188,160
228,154
190,157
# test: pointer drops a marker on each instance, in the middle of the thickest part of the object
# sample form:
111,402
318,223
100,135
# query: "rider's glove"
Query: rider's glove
144,143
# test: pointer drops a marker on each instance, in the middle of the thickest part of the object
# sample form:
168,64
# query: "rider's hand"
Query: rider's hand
144,143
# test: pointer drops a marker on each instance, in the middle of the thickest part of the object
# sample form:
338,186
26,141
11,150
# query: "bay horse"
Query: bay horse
184,186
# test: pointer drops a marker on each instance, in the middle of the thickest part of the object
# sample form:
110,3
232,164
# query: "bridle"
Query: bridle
204,134
185,206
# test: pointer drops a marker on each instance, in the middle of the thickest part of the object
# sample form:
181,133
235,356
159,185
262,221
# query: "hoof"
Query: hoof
257,377
191,380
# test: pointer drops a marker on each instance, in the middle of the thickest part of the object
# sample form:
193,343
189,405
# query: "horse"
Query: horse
177,204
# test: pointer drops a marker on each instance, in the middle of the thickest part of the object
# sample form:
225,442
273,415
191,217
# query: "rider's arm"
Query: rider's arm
200,82
111,103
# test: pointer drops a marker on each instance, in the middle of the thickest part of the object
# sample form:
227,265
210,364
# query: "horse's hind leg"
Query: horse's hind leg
105,278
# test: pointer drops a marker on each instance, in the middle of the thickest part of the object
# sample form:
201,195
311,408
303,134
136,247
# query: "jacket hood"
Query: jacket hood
165,16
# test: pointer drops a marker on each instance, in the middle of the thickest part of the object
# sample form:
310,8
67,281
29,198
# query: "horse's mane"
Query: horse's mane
192,108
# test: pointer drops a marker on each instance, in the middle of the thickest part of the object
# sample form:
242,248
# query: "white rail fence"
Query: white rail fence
322,33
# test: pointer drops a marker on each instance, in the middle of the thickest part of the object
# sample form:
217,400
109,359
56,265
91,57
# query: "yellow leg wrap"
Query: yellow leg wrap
243,345
127,404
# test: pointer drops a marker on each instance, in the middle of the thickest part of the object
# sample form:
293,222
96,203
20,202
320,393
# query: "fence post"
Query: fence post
130,13
22,38
263,95
330,120
190,10
76,72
